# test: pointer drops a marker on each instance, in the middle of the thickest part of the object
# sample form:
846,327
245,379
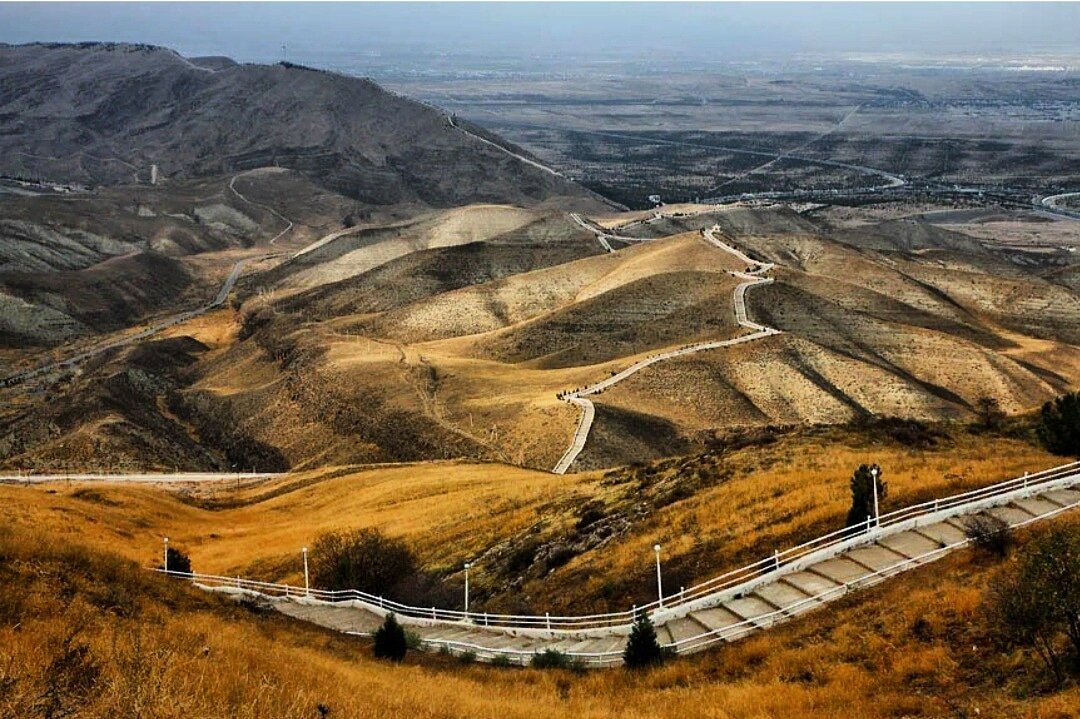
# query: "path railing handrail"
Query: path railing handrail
848,536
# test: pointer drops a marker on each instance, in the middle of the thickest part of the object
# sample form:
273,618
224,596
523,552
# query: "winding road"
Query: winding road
157,327
751,278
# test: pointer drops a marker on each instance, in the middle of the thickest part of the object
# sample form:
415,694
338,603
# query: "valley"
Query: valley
258,307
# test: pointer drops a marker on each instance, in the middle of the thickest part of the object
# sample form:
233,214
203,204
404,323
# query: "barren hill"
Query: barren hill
454,333
104,113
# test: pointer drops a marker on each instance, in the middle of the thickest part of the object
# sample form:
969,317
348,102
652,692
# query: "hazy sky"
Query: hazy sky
256,32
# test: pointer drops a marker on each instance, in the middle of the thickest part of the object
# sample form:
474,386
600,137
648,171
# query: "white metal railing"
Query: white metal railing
731,631
778,563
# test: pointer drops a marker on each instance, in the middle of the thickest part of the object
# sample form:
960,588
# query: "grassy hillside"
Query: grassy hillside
538,541
82,630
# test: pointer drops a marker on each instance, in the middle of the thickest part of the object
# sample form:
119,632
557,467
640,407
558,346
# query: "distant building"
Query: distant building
655,199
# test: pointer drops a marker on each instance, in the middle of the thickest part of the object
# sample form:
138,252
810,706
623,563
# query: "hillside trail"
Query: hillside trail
751,277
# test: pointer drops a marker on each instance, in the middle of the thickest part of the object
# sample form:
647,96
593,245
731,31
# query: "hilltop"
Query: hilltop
103,113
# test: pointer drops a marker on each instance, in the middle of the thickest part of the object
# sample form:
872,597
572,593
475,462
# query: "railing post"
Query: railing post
433,617
547,618
166,565
307,584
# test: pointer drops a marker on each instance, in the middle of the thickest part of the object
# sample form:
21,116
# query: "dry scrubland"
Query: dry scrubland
448,334
86,631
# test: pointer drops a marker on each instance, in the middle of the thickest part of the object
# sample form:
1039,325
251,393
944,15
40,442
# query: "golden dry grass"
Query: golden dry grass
914,647
755,500
448,510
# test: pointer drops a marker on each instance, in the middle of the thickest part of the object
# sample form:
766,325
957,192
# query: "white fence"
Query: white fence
707,593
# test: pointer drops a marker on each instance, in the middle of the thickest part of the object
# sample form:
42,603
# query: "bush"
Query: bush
989,412
178,561
643,650
502,661
990,534
365,559
1059,425
1036,602
550,659
862,494
390,640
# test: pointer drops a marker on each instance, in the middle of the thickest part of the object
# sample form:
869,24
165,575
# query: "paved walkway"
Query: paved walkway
727,616
580,398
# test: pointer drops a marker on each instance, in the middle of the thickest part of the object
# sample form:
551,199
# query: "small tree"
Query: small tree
862,494
643,650
390,640
1059,426
1036,603
989,412
178,561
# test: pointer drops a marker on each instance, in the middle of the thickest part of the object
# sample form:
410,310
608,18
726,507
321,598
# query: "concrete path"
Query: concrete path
580,398
728,615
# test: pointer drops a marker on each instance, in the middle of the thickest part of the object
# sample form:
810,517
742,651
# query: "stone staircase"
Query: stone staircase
727,616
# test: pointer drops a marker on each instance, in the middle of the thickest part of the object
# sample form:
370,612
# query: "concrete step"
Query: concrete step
663,635
784,596
839,570
716,618
1064,497
1010,513
944,533
685,628
876,558
1037,506
809,583
909,544
752,608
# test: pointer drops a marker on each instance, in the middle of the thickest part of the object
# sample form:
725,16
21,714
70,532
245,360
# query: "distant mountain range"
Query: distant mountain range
96,113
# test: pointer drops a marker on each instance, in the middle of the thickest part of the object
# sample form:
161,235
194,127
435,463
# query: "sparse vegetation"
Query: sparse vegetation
550,659
643,650
364,559
1059,426
990,534
178,561
390,640
989,413
862,494
1036,603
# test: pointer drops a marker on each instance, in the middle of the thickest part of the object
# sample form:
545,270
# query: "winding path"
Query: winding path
271,210
580,398
497,146
157,327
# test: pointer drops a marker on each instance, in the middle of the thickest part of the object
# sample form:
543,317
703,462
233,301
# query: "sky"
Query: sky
256,32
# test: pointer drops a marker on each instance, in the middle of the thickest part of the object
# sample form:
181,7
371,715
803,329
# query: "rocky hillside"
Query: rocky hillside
104,113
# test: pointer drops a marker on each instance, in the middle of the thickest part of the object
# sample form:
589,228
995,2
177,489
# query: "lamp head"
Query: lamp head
656,547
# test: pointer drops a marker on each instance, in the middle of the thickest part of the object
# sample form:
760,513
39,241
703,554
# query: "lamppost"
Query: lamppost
659,582
166,555
307,585
873,481
467,567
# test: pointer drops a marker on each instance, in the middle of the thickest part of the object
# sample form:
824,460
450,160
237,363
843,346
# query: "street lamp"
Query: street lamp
467,567
873,481
659,582
307,585
166,555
